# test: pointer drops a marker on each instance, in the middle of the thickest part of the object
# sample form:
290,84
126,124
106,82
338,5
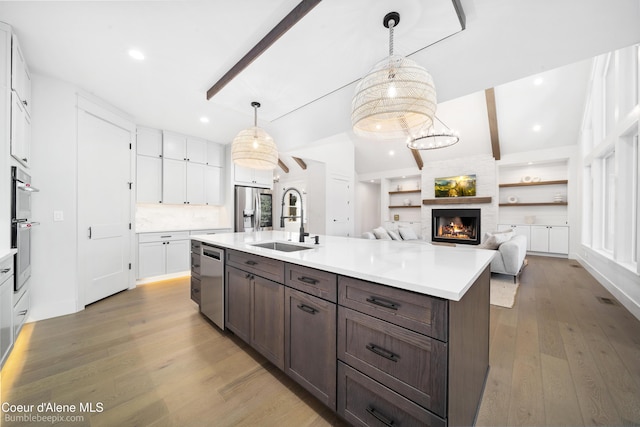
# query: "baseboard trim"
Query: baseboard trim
625,300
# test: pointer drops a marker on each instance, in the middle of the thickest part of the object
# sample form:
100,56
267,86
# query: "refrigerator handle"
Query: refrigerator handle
257,217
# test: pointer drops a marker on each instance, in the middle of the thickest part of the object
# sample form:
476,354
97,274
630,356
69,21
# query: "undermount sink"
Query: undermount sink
282,247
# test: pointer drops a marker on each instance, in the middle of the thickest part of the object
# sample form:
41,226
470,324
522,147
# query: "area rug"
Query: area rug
503,290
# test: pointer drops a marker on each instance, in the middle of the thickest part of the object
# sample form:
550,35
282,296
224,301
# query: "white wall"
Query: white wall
5,132
367,207
53,281
327,158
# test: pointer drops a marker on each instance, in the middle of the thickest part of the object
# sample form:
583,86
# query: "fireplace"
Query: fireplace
456,226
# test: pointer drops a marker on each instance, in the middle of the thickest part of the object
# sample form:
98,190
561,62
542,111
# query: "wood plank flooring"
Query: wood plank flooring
558,357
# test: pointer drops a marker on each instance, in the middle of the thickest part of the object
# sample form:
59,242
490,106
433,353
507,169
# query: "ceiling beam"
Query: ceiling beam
283,166
417,157
300,162
272,36
490,96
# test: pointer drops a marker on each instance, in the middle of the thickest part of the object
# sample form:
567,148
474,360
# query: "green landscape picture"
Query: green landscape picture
456,186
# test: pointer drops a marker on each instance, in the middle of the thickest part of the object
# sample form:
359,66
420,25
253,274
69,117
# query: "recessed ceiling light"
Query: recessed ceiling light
403,176
530,163
373,180
136,54
538,81
536,128
204,119
391,152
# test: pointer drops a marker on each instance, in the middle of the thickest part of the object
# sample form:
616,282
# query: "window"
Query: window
609,96
609,198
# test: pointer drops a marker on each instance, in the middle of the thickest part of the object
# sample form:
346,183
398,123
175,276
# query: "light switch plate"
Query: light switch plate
58,216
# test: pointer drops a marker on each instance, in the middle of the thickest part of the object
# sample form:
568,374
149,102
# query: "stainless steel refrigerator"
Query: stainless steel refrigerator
253,209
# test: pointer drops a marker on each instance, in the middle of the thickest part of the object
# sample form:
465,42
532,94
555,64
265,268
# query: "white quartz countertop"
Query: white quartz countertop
6,253
418,266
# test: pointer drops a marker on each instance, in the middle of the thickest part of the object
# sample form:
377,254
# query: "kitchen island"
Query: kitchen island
383,332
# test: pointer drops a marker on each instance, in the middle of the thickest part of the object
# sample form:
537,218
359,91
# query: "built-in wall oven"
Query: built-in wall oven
21,224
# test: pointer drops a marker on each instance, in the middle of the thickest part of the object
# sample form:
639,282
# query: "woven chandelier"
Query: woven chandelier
253,147
396,98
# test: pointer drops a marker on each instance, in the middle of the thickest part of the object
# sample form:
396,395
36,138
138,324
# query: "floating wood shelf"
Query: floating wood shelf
456,200
405,191
535,204
404,206
527,184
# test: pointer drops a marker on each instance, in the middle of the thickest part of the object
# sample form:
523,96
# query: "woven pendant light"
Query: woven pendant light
396,98
253,147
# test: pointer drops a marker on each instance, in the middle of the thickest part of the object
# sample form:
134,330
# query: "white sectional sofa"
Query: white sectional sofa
511,249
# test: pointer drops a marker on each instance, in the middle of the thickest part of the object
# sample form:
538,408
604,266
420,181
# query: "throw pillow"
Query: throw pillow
495,239
407,233
394,235
381,234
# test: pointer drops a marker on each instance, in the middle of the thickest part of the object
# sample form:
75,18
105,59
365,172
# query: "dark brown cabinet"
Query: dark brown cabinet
267,331
238,302
255,305
310,344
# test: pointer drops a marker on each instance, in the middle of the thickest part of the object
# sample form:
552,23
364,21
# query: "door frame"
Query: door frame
98,108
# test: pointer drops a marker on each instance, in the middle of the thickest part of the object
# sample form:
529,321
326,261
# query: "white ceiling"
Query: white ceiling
189,45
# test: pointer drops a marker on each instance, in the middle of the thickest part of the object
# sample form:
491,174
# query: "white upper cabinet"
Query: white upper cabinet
215,154
174,146
213,186
195,183
253,177
149,142
149,179
20,76
20,131
174,181
196,150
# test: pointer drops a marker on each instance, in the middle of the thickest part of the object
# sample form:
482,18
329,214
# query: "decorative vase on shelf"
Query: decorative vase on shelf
512,199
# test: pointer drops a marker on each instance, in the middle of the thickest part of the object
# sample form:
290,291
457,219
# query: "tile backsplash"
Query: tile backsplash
156,217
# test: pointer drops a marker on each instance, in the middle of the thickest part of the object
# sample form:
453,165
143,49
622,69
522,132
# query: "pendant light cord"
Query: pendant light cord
392,24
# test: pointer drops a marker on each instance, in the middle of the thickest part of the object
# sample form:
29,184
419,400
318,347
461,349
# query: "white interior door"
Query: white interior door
338,207
104,206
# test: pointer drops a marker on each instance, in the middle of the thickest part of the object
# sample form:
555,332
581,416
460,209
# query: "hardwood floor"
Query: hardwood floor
558,357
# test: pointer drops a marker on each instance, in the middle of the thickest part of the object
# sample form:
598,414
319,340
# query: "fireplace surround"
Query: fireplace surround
460,226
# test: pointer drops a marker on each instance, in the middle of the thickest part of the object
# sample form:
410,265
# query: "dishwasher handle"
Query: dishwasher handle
212,253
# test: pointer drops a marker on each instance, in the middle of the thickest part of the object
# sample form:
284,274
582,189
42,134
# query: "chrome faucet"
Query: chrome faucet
301,216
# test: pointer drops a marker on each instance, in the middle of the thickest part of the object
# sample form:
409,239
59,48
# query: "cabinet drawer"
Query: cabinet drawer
196,245
195,264
315,282
420,313
266,267
195,290
409,363
163,237
6,268
20,313
364,402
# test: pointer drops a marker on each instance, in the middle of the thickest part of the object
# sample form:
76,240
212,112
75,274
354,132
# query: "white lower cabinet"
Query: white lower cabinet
163,253
20,313
6,305
542,238
522,230
550,238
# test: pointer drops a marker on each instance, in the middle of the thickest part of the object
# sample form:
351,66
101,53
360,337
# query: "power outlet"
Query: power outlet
58,216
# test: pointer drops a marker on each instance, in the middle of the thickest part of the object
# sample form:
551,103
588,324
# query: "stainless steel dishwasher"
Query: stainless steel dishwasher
212,284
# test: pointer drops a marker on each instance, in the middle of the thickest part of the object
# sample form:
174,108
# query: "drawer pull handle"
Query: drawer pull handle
383,303
22,312
308,280
195,265
5,270
250,262
383,419
307,309
382,352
